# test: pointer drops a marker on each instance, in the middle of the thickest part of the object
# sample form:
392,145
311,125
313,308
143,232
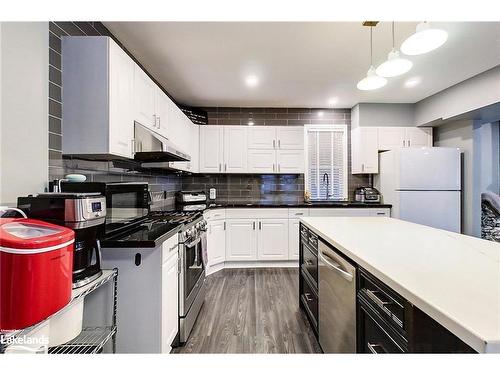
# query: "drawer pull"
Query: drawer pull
372,294
307,296
299,213
376,348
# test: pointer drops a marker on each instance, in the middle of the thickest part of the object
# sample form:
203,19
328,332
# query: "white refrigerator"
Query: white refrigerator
423,185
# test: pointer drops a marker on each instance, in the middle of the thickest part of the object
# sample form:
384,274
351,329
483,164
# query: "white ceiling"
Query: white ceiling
298,64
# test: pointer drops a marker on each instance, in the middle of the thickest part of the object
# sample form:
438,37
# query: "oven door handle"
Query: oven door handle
193,243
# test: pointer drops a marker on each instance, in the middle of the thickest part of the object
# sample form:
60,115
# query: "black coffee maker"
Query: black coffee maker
85,213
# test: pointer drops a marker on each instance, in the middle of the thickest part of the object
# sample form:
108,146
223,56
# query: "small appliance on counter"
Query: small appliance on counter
84,213
36,259
366,194
191,200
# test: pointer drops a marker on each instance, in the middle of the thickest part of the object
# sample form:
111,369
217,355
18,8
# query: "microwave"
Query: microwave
126,202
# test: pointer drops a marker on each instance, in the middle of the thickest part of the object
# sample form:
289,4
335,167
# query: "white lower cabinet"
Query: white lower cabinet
258,234
216,242
169,301
272,239
293,239
241,241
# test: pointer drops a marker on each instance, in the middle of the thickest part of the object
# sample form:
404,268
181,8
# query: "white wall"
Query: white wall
486,167
381,114
460,134
469,95
24,109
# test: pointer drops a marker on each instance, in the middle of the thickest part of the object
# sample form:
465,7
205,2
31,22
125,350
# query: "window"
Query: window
326,161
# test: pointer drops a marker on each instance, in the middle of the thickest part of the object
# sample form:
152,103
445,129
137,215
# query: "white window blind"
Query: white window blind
326,156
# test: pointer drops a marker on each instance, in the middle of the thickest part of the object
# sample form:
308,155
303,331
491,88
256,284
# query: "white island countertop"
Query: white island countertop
453,278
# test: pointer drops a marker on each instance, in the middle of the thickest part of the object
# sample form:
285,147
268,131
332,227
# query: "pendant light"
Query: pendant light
372,81
394,65
425,39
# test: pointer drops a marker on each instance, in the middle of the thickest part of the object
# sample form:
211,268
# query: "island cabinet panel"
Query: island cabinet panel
388,323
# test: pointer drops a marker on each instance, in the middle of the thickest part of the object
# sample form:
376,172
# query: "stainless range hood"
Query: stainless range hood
151,147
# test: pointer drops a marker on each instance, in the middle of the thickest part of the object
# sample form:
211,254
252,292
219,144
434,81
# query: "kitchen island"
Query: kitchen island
453,278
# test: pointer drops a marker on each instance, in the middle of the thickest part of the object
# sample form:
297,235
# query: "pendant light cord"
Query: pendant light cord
371,45
392,34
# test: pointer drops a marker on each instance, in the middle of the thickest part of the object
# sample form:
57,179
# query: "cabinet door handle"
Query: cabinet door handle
273,167
279,143
154,121
279,167
376,348
260,225
409,144
220,167
362,167
274,143
159,122
225,167
224,225
404,143
253,225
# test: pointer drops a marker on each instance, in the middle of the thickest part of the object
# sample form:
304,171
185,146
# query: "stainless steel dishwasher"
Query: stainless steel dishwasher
337,302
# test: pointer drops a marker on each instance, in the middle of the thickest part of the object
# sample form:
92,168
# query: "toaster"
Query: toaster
366,194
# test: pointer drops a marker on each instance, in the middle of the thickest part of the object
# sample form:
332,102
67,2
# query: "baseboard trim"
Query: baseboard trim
252,264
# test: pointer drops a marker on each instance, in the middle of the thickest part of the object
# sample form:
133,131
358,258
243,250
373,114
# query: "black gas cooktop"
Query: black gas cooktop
150,231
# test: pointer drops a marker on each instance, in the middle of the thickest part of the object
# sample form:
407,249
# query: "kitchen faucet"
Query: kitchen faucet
327,178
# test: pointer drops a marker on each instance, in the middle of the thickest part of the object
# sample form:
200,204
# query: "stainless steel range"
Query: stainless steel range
192,273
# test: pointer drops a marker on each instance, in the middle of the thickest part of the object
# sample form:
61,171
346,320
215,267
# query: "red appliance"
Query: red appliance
36,265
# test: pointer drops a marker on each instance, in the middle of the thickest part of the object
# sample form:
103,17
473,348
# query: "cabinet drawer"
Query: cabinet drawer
257,213
309,265
310,301
390,305
215,214
298,212
376,337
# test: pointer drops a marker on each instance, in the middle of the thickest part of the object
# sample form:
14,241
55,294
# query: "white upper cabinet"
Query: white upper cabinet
162,109
364,150
121,93
290,138
290,161
390,138
261,161
211,149
235,149
98,96
419,137
262,137
144,98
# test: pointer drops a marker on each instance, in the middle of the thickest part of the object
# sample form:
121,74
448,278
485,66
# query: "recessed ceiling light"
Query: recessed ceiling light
333,101
251,81
412,82
250,123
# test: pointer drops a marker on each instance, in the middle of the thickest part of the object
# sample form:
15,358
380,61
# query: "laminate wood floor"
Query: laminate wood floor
252,311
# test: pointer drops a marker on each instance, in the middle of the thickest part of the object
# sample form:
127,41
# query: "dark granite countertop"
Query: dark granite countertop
142,237
316,204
